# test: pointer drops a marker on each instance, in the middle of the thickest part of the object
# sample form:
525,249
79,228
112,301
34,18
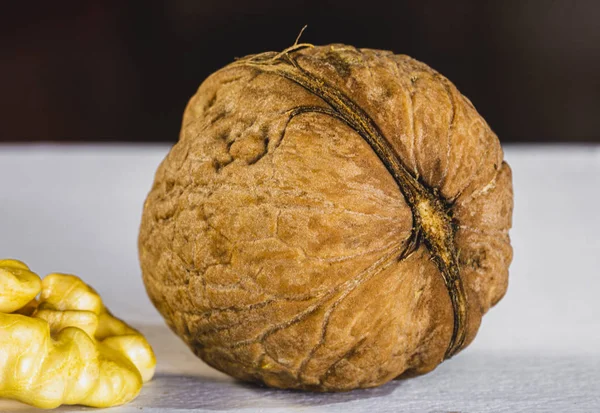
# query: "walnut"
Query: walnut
330,219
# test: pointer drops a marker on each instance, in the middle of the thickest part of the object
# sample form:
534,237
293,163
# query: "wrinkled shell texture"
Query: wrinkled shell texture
262,240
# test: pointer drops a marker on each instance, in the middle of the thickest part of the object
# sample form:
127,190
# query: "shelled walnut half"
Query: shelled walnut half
330,219
60,345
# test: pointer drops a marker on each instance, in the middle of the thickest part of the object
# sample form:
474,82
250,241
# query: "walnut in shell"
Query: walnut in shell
330,219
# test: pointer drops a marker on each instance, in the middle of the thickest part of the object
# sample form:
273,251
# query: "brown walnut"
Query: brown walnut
330,219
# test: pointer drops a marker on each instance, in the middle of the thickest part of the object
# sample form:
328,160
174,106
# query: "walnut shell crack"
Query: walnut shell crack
330,219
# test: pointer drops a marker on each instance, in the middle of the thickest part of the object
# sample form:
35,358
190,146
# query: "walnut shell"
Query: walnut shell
330,219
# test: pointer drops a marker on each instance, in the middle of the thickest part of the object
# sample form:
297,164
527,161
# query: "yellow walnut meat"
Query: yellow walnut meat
330,219
65,347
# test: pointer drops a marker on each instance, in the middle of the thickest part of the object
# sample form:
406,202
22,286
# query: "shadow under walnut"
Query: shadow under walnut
330,219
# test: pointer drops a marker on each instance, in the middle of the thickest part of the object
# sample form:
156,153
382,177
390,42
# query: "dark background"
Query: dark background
93,70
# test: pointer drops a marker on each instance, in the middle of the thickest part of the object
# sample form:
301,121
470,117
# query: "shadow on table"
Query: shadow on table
193,392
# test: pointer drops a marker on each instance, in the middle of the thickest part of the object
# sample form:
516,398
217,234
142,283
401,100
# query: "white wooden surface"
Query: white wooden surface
77,209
